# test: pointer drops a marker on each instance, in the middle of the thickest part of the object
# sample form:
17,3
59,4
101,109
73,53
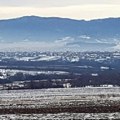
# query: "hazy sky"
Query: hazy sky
76,9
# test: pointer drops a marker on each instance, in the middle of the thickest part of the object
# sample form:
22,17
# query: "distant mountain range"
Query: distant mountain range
53,33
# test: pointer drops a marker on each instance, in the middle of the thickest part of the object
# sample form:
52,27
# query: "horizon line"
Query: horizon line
58,17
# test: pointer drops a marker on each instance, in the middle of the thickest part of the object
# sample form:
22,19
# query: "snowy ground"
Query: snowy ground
62,116
59,98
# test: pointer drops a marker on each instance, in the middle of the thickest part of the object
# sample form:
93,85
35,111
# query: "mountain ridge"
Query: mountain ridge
63,30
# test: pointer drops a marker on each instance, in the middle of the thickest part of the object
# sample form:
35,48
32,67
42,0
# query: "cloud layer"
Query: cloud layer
54,3
77,9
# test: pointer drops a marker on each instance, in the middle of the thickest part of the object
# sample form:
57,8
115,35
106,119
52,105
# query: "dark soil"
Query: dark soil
87,109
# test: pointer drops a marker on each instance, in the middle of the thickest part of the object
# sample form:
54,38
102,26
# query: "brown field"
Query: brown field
59,101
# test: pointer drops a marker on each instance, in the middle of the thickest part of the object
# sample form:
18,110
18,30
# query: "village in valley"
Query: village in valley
37,70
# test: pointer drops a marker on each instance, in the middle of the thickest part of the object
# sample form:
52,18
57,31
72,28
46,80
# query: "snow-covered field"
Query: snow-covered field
62,116
59,98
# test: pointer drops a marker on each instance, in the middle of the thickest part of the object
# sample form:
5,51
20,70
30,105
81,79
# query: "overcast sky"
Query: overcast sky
75,9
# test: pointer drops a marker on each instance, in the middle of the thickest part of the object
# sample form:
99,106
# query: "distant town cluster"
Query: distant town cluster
37,70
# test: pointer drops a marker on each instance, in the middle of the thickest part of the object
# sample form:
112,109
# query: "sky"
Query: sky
75,9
